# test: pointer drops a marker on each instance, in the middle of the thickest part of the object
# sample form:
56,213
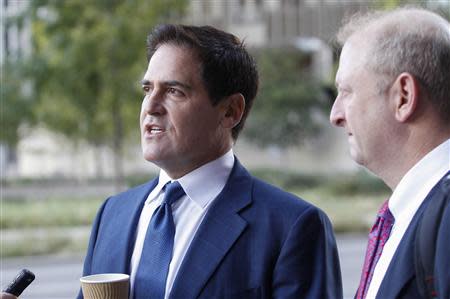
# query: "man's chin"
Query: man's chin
150,156
357,158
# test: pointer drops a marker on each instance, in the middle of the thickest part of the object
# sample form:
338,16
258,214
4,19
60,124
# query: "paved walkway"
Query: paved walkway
57,277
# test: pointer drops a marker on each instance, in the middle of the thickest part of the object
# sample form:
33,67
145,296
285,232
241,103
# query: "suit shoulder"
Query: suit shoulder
282,213
133,194
271,195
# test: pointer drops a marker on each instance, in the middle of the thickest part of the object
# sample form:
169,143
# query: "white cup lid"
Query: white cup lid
105,277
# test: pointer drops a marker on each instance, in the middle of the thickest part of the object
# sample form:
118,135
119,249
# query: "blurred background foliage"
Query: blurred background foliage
16,105
82,76
289,101
86,61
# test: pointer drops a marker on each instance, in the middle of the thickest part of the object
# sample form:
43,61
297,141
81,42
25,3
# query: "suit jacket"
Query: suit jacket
400,279
256,241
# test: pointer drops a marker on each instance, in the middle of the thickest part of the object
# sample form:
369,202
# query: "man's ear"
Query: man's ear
406,96
233,110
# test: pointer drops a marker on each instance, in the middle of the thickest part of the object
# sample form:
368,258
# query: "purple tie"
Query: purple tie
378,236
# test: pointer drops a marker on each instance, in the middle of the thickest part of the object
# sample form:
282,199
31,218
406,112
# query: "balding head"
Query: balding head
411,40
384,23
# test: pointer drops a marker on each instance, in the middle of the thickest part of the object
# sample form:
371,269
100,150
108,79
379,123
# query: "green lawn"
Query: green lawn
47,226
29,243
33,227
348,213
53,212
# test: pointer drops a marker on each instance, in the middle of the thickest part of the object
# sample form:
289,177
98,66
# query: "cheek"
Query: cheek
142,112
358,111
141,120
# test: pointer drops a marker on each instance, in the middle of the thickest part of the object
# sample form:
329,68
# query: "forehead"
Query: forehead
353,60
171,62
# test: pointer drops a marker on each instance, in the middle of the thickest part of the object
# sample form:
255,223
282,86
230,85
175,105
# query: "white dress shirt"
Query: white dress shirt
406,200
201,187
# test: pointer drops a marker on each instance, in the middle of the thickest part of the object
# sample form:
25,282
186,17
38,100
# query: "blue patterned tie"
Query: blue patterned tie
151,276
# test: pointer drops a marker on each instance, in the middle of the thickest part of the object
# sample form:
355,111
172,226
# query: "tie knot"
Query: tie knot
385,213
173,191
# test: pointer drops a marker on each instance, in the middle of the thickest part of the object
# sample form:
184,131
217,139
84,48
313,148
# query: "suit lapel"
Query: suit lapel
402,269
216,235
123,226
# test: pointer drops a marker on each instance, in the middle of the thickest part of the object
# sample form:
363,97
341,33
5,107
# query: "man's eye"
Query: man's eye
146,88
174,91
343,91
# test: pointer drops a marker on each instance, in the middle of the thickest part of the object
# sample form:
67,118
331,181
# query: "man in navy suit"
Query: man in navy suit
234,235
393,102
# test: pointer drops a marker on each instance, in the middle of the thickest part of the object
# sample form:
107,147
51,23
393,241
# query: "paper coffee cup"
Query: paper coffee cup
105,286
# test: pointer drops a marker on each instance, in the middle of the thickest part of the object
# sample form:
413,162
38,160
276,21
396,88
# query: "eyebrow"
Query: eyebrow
170,83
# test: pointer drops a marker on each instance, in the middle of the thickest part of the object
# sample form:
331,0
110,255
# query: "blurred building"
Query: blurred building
275,22
308,25
15,38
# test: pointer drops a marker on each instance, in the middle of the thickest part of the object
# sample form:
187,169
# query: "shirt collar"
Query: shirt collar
203,184
419,180
163,179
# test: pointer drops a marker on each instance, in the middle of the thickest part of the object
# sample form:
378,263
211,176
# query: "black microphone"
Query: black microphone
20,283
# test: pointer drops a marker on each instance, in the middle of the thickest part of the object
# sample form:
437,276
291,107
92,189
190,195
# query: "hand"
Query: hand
7,296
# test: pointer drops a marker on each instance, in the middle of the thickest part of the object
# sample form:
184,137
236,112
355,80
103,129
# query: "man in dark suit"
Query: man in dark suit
393,102
225,234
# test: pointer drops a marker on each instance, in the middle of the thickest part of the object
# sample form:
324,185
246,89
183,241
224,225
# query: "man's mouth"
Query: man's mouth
153,130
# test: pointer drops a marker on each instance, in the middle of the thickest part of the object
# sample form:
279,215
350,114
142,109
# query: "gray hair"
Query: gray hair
411,40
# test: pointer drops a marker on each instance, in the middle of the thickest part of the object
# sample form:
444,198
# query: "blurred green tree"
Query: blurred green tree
86,63
391,4
16,105
290,101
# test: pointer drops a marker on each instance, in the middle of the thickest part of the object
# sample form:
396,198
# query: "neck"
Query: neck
414,147
180,169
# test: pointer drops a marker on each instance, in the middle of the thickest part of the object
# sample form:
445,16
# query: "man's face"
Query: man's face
360,108
180,128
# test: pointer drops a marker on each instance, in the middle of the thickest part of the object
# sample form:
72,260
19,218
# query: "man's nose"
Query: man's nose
153,103
337,113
